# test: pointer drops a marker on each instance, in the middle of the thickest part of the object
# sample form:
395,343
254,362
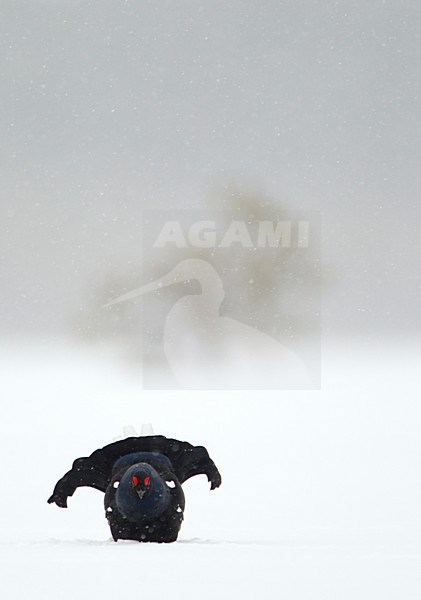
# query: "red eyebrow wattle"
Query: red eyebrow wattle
135,480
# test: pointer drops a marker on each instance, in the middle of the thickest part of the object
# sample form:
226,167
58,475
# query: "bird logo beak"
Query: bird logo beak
140,493
168,279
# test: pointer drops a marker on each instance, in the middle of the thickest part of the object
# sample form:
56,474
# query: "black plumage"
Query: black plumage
141,478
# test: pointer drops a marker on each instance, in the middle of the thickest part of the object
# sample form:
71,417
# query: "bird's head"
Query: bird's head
141,482
141,493
184,271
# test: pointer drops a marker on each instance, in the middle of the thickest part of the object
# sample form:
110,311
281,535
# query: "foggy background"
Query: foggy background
111,107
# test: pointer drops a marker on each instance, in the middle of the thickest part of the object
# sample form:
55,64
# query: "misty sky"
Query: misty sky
109,107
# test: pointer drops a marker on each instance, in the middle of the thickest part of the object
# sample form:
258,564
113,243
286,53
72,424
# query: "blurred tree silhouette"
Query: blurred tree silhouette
275,291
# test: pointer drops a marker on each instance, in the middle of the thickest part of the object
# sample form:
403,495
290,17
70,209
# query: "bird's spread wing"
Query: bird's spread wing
96,470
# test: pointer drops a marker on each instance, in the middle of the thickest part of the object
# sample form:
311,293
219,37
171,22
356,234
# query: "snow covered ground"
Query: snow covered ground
321,490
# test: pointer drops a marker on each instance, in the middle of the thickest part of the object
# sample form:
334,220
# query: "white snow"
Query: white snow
321,490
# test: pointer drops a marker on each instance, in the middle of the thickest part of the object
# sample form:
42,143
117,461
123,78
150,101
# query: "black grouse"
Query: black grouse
141,478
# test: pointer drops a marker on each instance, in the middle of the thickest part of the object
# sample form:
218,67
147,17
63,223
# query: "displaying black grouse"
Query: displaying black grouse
141,478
